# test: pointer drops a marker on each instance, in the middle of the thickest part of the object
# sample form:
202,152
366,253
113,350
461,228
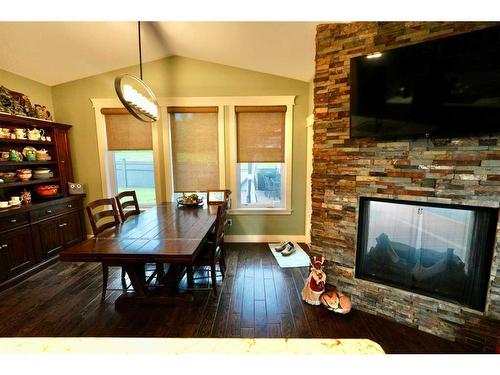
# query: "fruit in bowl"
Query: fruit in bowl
190,200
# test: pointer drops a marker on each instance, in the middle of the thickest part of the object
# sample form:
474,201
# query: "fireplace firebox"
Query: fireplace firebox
442,251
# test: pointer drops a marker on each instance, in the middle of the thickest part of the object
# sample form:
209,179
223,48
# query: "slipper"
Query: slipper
282,246
289,250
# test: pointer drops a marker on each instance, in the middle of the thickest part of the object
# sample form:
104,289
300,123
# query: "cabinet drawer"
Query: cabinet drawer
13,221
56,209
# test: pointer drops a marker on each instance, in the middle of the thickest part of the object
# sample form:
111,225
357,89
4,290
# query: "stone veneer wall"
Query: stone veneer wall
461,171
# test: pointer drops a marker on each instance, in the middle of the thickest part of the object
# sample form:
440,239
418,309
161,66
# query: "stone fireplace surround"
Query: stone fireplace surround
457,171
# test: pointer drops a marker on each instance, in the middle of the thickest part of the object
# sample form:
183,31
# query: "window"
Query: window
129,144
195,148
188,148
261,168
134,170
260,185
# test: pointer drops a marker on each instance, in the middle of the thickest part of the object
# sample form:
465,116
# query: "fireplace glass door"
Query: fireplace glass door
442,251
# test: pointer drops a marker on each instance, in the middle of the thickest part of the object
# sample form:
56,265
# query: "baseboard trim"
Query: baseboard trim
264,238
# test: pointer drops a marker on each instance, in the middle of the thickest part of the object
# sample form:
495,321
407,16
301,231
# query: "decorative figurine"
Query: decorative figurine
10,101
315,283
42,112
75,188
5,100
26,197
27,106
17,103
336,302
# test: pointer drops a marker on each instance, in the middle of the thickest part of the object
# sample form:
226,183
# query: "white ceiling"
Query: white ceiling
57,52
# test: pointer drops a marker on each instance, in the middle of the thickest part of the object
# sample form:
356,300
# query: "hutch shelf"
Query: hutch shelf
32,235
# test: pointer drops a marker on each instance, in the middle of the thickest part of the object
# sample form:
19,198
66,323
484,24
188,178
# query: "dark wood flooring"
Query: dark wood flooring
256,299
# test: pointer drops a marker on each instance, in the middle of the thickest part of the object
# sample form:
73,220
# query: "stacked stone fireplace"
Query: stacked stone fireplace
455,172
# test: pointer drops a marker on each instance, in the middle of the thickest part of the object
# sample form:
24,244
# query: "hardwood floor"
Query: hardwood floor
256,299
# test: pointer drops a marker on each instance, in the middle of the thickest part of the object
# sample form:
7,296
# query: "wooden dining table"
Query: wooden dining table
163,234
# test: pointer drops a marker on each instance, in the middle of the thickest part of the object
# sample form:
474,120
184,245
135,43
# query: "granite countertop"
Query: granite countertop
181,346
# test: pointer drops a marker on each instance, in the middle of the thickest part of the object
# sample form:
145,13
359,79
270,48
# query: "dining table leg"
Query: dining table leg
137,274
164,293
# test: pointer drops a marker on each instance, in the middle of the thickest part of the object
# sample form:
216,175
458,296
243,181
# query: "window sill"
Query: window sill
260,211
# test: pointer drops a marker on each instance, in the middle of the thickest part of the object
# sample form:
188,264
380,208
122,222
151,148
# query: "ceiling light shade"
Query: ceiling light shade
137,98
135,95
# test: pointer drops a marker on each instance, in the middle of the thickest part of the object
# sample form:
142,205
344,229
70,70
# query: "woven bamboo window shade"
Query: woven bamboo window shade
125,132
195,148
260,134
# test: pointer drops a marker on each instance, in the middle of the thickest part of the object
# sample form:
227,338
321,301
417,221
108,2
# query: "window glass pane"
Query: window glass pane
134,170
260,185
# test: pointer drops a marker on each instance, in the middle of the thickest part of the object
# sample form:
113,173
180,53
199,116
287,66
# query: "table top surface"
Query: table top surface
163,233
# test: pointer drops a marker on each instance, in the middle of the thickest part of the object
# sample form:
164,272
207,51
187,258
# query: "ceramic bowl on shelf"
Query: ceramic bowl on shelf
41,170
42,173
8,176
24,174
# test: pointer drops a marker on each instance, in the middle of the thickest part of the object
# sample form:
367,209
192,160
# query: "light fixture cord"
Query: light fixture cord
140,48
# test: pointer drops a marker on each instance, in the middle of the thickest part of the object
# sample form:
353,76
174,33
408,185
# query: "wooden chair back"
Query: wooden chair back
123,207
95,217
217,196
220,223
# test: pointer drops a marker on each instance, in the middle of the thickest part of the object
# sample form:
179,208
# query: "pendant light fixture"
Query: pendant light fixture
135,95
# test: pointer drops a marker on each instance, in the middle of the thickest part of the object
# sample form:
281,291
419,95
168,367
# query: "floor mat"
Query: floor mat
298,259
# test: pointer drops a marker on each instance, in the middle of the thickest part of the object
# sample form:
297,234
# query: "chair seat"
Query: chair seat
213,250
204,258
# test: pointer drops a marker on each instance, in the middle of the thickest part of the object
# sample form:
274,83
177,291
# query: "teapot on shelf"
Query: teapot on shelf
4,133
42,154
35,134
20,133
15,155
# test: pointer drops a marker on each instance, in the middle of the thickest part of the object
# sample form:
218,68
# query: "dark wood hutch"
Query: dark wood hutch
31,236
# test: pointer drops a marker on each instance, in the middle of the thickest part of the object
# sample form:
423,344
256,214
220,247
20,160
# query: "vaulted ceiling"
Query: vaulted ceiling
57,52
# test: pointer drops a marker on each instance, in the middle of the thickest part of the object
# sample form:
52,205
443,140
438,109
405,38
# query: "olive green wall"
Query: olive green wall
36,91
179,76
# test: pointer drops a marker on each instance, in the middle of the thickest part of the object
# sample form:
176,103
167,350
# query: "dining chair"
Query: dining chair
217,196
124,201
103,215
123,206
213,250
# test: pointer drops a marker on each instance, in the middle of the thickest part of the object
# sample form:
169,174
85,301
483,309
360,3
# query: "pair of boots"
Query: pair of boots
286,248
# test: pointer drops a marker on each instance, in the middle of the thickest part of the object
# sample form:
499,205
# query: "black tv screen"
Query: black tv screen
440,88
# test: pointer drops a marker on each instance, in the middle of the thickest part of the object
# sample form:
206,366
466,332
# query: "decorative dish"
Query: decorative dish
47,190
24,174
191,200
8,176
42,173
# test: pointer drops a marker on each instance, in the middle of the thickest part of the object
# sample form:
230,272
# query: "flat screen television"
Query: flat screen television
441,88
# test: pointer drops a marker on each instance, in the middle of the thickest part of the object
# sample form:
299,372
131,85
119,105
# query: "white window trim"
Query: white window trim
105,158
289,101
162,144
164,103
